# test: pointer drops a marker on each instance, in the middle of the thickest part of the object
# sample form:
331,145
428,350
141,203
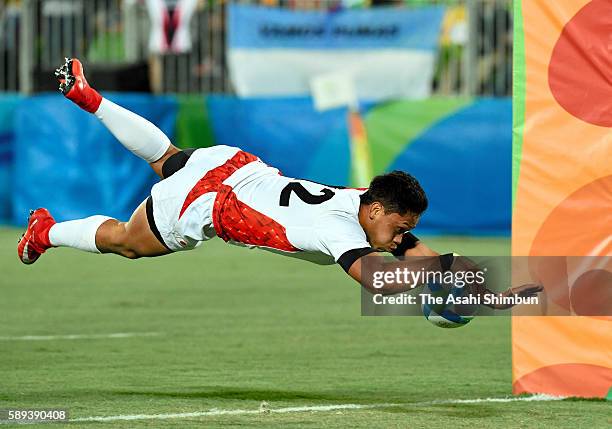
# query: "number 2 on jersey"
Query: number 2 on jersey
303,194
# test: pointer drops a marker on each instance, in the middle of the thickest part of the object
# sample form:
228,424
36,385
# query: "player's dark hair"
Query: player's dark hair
398,192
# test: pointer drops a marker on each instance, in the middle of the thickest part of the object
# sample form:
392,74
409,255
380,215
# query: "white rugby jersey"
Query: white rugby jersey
226,192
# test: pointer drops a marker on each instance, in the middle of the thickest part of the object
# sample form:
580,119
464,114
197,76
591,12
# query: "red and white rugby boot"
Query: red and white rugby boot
74,86
35,241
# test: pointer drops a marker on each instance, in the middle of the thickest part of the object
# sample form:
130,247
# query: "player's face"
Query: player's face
385,230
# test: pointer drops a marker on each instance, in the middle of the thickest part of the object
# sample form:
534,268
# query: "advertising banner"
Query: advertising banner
387,52
563,193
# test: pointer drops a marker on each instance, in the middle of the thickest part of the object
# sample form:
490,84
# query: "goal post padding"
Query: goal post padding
562,184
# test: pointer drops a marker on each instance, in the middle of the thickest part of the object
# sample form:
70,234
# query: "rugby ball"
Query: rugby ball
444,315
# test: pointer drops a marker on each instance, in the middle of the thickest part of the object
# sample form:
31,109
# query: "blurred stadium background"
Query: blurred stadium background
474,59
232,328
455,119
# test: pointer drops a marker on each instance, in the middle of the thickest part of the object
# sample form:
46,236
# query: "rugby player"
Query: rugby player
225,192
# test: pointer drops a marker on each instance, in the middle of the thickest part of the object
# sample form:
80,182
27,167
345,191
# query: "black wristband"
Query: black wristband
409,241
446,261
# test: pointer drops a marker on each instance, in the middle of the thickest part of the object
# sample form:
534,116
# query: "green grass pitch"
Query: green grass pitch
236,327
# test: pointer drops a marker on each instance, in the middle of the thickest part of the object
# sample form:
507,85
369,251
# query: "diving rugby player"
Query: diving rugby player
225,192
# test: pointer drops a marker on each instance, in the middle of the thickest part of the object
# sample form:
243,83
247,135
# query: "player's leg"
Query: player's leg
134,132
94,234
132,239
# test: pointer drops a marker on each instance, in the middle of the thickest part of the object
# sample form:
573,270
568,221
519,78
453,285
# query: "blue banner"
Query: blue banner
8,105
287,133
380,53
269,28
68,162
464,163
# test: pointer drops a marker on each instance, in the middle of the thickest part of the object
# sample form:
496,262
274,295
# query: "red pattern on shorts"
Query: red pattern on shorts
233,219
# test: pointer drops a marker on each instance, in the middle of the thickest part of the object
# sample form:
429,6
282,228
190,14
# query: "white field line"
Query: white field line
80,336
314,408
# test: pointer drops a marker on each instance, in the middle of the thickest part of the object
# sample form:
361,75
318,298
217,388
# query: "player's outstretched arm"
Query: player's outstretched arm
523,291
417,263
355,271
462,263
433,262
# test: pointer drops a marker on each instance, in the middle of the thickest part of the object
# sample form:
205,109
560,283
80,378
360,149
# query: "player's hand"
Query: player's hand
523,291
526,290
